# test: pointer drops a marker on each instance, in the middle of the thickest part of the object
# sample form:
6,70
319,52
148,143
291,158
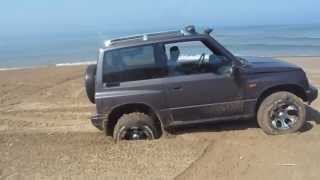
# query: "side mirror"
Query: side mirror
233,71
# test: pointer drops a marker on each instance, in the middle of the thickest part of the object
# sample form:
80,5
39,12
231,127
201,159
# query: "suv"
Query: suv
143,84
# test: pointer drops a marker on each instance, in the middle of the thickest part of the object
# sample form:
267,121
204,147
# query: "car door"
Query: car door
199,93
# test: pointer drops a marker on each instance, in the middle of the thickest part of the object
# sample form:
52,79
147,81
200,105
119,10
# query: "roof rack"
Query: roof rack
144,37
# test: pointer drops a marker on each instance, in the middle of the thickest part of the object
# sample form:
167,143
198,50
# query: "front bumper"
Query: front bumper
97,120
312,94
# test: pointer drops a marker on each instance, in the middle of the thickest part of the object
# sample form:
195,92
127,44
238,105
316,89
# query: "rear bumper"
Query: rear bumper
312,94
97,120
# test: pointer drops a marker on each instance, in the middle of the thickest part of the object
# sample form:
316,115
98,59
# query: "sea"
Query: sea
75,48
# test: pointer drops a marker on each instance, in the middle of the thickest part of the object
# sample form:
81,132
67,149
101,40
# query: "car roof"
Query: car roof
188,32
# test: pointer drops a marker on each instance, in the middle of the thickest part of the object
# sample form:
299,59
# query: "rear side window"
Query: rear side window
131,64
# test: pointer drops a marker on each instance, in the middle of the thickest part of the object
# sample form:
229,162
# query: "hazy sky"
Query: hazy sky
35,16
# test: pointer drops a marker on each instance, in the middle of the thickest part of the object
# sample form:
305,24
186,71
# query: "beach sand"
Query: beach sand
45,134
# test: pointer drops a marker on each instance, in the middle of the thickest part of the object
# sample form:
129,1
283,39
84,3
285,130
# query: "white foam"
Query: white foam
15,68
43,66
8,69
76,63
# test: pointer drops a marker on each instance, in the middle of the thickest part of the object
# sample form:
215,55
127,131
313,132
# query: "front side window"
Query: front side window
131,64
193,57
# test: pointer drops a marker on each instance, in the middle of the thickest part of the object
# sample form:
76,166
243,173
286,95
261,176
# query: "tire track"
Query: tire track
206,150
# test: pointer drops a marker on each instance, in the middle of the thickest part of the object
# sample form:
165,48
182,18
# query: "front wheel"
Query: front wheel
281,113
135,126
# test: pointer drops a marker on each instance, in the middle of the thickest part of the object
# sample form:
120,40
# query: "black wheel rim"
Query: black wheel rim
136,133
284,115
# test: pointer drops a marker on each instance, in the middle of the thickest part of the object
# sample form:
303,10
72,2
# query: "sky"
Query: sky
18,17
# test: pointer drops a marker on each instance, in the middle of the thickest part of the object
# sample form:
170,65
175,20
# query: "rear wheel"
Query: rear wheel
281,113
135,126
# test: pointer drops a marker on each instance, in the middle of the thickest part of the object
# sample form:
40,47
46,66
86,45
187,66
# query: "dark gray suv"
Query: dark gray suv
143,84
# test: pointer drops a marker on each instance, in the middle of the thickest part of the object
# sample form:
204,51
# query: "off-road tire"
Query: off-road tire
263,114
135,119
90,82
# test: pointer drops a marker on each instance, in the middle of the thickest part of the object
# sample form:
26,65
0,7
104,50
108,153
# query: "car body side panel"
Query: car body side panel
194,97
250,84
260,82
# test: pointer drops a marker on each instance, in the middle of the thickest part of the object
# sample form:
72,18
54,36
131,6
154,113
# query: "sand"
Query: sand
45,134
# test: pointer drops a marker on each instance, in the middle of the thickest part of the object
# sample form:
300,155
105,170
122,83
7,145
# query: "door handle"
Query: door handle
111,84
179,88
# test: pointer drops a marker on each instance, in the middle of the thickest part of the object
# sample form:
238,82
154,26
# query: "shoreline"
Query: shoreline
82,63
47,66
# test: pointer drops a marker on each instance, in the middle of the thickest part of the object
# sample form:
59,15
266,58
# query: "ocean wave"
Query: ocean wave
75,63
19,68
298,38
273,45
259,36
44,66
10,69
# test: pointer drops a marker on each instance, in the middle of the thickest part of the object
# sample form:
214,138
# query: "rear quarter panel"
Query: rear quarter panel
148,92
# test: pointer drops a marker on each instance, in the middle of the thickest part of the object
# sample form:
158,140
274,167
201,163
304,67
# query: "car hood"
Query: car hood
265,65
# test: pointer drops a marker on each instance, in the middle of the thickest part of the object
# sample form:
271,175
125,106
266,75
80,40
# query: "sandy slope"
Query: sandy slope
44,133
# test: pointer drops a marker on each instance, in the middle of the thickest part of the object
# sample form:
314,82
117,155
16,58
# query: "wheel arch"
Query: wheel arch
118,111
292,88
